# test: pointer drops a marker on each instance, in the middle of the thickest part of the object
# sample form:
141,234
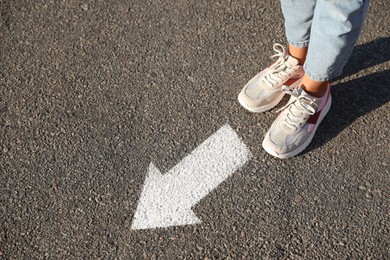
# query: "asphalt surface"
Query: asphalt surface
91,92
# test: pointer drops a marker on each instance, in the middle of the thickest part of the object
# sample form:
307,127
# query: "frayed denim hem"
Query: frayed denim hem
297,44
321,78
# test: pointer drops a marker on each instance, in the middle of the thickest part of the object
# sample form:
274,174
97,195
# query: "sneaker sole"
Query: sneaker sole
325,111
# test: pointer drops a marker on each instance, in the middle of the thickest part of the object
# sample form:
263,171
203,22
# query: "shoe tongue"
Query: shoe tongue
292,61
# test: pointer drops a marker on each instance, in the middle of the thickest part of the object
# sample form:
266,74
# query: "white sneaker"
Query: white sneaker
263,91
296,125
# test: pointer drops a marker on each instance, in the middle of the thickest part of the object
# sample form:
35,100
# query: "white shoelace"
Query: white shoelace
299,109
279,67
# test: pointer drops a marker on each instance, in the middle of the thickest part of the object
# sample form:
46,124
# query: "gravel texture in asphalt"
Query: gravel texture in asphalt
92,92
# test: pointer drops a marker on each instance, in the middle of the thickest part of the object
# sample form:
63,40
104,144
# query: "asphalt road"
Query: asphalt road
92,92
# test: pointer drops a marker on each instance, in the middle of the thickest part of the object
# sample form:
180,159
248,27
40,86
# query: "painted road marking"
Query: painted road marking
166,200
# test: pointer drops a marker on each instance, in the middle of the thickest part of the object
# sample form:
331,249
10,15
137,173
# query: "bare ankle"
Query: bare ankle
298,53
314,88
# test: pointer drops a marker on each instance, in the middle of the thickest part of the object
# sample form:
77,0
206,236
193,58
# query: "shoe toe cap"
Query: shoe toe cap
274,148
279,140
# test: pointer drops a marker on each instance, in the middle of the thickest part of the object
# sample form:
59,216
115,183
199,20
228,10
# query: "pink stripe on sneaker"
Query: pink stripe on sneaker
314,118
290,82
311,128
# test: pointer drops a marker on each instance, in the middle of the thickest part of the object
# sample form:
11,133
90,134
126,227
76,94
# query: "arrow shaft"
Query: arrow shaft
207,166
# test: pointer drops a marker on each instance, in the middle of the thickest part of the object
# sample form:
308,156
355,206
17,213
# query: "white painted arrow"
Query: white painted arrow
166,200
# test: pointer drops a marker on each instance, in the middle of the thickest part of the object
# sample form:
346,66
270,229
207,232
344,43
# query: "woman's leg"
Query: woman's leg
263,91
335,28
298,17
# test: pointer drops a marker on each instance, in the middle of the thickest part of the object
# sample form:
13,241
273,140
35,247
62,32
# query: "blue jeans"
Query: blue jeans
329,27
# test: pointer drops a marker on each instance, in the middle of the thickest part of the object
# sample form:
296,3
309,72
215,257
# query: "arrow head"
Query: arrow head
160,205
166,200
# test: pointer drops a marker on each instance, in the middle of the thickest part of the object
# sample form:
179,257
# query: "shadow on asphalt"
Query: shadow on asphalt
357,97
